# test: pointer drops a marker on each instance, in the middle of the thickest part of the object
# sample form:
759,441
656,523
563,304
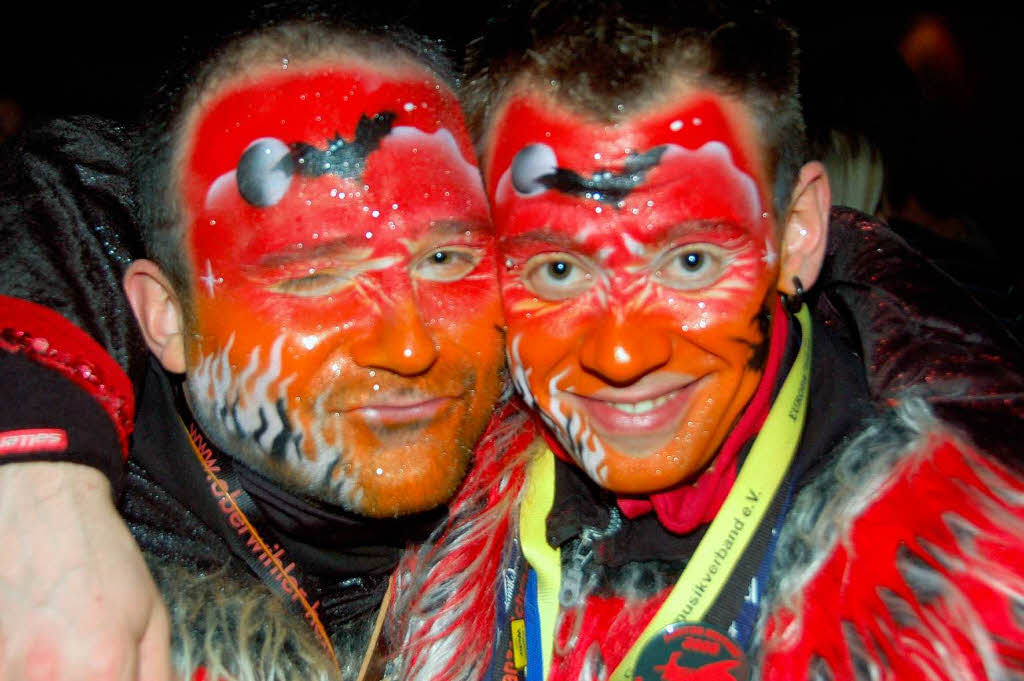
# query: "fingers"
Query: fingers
155,648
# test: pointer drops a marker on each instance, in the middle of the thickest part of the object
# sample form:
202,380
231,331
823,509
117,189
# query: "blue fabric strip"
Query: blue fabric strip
534,651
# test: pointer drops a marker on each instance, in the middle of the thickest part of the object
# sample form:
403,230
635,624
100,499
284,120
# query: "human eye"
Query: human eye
556,276
450,263
693,266
316,282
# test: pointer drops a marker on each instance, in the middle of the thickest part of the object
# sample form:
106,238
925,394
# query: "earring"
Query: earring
795,301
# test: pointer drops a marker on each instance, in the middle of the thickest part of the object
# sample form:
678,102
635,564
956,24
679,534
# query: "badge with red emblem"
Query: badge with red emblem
686,651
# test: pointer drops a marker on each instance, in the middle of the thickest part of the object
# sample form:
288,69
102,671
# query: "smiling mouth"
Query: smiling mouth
635,421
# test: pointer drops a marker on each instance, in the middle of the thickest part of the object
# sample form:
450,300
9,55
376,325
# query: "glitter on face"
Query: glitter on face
365,351
635,326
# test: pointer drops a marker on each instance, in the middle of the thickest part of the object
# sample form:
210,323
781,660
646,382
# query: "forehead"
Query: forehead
692,157
313,106
288,156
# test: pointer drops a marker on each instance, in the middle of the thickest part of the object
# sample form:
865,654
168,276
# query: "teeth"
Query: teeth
641,407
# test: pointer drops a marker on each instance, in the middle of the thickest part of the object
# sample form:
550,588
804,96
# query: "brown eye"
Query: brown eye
556,276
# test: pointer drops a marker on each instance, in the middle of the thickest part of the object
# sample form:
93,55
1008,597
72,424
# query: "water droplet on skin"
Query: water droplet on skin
650,204
212,223
369,235
376,386
379,471
394,206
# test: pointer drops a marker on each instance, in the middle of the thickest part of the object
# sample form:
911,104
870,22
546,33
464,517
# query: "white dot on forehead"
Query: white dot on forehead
676,125
409,106
369,235
597,157
407,352
697,121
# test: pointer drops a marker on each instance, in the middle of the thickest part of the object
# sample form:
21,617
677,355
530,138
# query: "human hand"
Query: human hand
77,601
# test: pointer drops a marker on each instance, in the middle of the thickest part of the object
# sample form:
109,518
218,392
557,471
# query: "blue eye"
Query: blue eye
556,276
693,266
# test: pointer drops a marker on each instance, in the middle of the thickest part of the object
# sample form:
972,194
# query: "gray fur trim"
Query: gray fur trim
825,513
824,509
238,631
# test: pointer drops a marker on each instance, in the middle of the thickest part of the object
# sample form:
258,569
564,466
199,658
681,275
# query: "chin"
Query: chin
405,495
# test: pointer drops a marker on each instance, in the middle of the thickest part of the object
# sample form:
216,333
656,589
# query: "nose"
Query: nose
621,351
398,341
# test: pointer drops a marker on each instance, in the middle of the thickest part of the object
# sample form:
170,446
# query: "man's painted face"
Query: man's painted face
347,331
639,274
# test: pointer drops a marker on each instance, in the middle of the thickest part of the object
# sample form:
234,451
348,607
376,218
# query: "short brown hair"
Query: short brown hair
603,53
160,133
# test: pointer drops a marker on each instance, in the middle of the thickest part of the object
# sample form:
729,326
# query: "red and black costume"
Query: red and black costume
901,550
893,548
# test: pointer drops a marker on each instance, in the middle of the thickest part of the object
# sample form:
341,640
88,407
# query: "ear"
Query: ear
158,311
805,233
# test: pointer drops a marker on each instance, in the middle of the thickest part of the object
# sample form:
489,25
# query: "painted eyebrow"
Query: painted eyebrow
688,227
453,227
545,236
336,246
565,242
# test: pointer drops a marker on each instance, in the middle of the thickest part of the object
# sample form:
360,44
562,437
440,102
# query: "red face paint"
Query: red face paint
346,335
640,266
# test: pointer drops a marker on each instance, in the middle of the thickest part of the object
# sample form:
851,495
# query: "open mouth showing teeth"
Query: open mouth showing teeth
643,406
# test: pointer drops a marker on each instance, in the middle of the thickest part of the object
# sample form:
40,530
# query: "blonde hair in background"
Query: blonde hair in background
856,171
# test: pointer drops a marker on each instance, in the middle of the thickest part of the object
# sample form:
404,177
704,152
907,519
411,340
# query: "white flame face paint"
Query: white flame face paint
346,339
638,330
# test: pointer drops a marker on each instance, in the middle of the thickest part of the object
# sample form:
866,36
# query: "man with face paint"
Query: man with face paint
728,489
322,273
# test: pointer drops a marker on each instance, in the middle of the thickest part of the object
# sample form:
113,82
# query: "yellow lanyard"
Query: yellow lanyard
726,539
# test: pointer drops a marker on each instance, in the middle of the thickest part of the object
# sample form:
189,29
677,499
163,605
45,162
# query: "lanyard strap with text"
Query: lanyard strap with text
255,546
758,479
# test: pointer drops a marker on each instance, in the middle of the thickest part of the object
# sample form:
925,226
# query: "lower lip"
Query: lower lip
611,421
402,415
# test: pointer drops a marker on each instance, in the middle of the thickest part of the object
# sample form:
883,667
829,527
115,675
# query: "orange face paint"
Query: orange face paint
346,338
639,274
